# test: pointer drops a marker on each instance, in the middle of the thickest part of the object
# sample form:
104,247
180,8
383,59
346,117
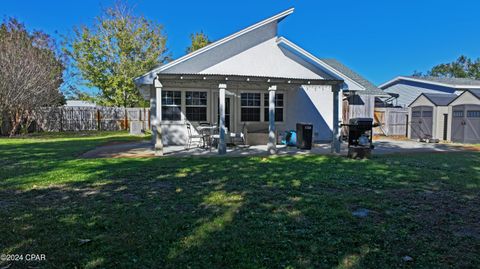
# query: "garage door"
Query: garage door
422,122
466,124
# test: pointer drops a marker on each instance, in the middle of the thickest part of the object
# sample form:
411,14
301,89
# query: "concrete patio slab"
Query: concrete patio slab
382,146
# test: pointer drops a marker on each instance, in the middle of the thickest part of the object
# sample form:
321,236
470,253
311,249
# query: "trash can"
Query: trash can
304,135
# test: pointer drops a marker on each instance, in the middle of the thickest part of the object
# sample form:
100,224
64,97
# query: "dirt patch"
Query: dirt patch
440,211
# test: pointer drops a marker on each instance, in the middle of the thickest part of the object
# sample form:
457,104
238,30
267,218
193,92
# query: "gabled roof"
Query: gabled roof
338,69
275,18
475,92
440,99
370,89
456,83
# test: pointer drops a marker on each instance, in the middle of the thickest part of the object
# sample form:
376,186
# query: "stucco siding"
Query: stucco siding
265,59
224,51
312,104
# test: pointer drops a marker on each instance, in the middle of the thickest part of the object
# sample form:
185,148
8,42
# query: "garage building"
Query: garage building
429,116
465,115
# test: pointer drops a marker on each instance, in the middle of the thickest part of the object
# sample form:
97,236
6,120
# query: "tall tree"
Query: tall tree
30,74
463,67
199,40
117,48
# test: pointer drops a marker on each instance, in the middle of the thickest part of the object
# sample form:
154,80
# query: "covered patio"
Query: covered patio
221,88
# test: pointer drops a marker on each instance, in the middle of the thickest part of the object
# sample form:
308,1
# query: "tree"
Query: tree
463,67
116,49
199,40
30,74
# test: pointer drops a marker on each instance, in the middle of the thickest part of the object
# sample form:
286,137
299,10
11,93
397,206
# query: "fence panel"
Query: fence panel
89,118
391,120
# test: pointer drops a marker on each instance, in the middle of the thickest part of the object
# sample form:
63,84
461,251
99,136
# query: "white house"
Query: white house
255,78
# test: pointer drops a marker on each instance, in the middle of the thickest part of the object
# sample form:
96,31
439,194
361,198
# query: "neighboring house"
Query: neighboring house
409,88
79,103
254,79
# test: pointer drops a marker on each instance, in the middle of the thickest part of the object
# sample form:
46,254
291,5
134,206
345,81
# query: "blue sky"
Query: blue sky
378,39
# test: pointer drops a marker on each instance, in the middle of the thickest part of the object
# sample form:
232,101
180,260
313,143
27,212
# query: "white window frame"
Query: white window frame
184,108
180,107
267,106
260,107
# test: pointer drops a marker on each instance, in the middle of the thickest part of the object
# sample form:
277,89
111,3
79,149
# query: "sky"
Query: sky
378,39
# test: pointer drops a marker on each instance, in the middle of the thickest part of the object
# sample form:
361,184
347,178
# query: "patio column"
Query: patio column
157,130
222,147
335,124
153,111
272,140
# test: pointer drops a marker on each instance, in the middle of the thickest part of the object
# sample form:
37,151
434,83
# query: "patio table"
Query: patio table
207,131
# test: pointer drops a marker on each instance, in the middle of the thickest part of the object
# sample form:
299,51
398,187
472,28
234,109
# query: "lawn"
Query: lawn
245,212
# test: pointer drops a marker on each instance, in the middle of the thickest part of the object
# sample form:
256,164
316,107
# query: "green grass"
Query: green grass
245,212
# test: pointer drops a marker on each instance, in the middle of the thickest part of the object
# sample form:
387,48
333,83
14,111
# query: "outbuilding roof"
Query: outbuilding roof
456,83
440,99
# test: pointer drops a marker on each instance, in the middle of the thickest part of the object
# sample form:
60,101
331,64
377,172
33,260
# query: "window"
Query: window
278,107
196,106
171,103
250,103
473,114
427,113
458,113
415,114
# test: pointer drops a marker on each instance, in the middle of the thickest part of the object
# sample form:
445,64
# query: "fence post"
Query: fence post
125,119
99,125
149,123
406,126
61,119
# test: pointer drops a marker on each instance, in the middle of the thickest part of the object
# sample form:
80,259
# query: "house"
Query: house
253,78
409,88
79,103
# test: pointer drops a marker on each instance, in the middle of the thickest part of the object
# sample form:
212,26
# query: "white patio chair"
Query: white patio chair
239,137
191,137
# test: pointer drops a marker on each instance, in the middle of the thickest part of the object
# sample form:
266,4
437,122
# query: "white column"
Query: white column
153,112
157,132
272,140
222,147
335,123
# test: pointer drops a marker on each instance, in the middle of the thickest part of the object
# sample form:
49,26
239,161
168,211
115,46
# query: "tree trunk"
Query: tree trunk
16,121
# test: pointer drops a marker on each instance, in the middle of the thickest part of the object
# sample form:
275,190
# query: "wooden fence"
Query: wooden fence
90,118
392,121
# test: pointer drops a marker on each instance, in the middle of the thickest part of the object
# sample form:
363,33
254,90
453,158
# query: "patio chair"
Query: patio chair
239,137
191,137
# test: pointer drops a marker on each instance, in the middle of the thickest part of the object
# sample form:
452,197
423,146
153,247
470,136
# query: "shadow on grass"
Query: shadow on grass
292,211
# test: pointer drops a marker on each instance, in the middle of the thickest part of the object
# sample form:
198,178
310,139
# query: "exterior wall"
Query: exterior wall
225,50
266,59
361,106
408,91
465,98
437,117
421,101
438,113
311,104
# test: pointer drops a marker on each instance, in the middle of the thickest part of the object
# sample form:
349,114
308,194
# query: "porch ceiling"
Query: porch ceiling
212,80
